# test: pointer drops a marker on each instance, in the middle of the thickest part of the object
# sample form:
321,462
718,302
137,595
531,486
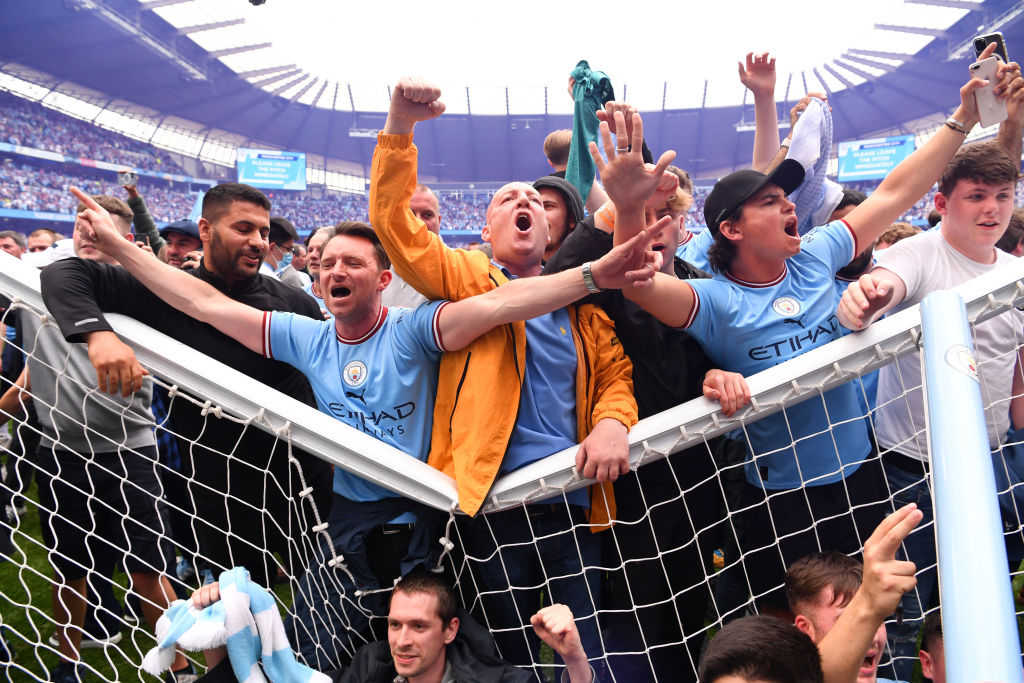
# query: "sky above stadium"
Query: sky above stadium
661,52
470,43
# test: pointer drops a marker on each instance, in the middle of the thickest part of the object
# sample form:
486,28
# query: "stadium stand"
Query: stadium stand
32,125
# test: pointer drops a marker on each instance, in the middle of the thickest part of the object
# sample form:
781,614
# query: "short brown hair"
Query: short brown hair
898,231
431,584
360,229
980,162
114,206
219,198
556,146
809,575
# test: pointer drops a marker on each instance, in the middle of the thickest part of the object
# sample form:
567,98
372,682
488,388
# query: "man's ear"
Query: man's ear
385,279
205,231
451,630
804,625
485,234
927,667
941,203
731,230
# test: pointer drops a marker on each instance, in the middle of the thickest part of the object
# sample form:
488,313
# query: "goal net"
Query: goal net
691,550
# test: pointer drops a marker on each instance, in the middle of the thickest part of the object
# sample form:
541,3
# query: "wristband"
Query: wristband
956,125
608,216
786,142
588,279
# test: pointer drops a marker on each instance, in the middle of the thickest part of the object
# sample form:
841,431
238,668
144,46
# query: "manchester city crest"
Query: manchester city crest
354,373
786,306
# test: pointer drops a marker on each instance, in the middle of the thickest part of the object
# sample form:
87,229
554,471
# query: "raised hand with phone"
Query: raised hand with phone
1002,80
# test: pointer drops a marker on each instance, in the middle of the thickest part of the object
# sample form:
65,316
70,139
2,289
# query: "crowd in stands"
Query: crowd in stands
30,187
30,124
512,367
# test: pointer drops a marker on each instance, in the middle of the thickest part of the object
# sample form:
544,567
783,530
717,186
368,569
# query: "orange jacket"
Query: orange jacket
478,386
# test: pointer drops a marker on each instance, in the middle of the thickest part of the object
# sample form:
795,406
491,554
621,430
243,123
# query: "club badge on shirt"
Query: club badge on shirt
354,373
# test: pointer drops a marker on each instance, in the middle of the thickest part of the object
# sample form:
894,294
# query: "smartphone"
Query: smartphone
127,178
990,110
981,42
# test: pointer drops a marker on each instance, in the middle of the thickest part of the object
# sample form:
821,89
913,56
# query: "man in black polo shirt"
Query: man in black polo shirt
247,526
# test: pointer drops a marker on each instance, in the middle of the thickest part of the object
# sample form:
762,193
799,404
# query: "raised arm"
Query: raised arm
626,266
916,174
628,181
143,221
556,626
886,579
1011,131
179,289
759,77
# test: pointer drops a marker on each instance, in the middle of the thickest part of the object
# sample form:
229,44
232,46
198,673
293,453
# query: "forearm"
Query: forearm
596,198
908,182
844,646
144,224
529,297
187,293
11,402
779,157
1010,138
629,221
766,131
578,670
668,299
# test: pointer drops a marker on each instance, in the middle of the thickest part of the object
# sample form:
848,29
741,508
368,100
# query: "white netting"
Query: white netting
646,592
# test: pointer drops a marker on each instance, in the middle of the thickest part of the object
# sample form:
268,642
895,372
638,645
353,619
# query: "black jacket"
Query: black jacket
668,364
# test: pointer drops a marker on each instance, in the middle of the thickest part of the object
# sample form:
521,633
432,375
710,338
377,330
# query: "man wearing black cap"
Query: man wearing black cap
772,299
182,238
564,208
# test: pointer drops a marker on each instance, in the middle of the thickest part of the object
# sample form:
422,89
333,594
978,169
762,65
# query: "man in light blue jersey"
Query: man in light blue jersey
374,368
813,481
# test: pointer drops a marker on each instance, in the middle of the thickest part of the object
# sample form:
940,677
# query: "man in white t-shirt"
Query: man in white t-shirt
975,199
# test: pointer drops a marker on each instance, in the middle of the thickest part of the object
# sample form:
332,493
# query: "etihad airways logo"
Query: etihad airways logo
798,342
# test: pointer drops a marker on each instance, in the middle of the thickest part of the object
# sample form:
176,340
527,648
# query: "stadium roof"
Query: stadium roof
217,65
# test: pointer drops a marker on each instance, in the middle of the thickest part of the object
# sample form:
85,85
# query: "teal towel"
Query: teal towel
591,90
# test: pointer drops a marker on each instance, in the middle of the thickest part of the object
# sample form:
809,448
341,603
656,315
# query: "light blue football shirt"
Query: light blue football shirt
749,327
695,250
383,383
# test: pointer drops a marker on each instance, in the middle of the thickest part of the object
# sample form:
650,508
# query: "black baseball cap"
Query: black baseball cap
573,200
731,191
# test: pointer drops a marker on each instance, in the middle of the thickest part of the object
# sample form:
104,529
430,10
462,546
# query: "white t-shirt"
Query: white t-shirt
926,263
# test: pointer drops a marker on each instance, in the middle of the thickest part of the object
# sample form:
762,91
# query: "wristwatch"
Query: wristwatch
588,279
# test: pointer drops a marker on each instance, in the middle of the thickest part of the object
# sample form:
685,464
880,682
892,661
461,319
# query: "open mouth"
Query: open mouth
869,661
791,227
340,292
523,222
657,247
